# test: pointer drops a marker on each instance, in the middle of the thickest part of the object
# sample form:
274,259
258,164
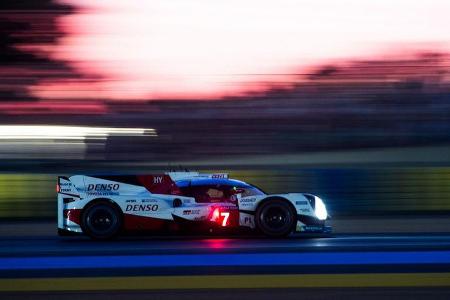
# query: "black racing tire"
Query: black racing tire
101,221
275,218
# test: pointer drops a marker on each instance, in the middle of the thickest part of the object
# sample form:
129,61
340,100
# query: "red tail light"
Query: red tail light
57,188
216,214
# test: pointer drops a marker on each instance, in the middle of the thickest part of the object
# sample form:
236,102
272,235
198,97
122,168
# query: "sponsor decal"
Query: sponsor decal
100,187
217,176
65,187
141,207
301,202
305,210
248,220
246,200
312,228
148,200
191,212
157,179
130,201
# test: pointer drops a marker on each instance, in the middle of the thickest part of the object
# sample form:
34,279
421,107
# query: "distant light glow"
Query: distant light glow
47,132
203,48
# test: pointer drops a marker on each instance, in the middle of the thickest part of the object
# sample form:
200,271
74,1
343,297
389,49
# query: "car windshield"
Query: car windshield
249,190
213,190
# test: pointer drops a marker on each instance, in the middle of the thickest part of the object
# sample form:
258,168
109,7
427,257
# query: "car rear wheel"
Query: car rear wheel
275,218
102,221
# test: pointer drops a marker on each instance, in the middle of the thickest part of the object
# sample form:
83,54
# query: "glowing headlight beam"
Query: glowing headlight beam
320,209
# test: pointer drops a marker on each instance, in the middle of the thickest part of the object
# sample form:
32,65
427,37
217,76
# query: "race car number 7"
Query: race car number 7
225,216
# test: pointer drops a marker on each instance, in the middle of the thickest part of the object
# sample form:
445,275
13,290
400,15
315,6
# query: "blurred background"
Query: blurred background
349,100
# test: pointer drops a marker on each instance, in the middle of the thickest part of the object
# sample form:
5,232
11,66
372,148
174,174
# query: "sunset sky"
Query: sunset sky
203,48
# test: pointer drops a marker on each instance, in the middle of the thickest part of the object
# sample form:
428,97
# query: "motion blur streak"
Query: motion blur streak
39,132
211,260
47,141
228,282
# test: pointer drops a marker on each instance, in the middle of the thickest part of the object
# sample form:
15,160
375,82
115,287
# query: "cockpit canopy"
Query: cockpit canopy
216,190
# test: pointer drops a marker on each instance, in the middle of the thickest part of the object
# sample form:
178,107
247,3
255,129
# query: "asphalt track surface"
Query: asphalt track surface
343,266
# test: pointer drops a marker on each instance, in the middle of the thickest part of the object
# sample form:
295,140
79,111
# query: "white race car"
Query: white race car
103,207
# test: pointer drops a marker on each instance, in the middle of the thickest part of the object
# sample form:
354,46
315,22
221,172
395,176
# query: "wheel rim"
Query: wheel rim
275,217
101,220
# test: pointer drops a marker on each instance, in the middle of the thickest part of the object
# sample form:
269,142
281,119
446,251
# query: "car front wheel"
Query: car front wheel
275,218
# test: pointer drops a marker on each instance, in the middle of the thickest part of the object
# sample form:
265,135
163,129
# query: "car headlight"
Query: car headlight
320,210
